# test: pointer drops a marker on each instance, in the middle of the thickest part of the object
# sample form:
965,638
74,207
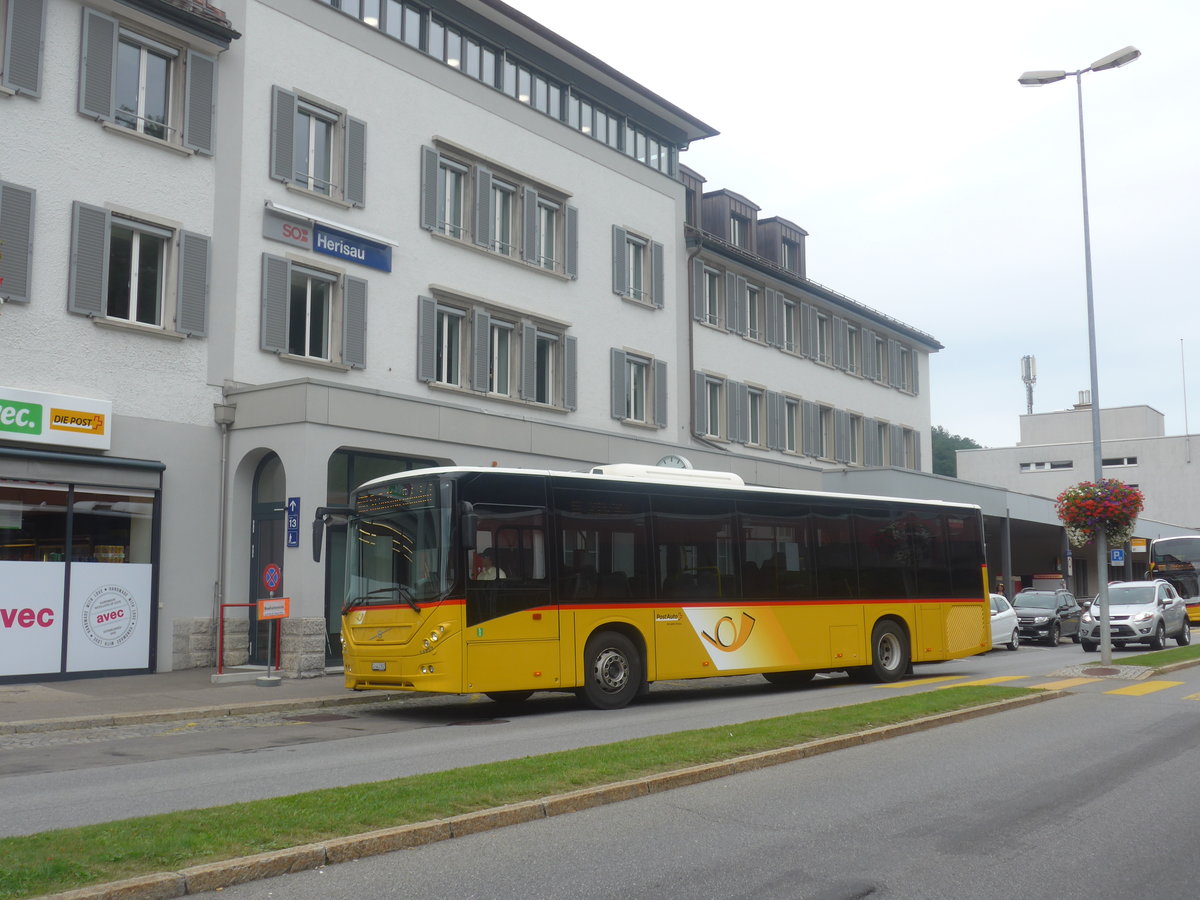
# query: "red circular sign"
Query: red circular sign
271,577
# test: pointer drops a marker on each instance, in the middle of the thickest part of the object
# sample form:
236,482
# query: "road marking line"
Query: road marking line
1000,679
915,682
1146,687
1064,684
1192,697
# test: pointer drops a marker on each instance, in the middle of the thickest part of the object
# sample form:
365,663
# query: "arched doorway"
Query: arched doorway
268,503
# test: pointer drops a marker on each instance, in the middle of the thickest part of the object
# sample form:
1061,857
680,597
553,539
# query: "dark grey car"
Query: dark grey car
1047,616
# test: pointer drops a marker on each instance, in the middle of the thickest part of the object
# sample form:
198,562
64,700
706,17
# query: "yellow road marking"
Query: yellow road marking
1000,679
916,682
1192,697
1064,684
1145,687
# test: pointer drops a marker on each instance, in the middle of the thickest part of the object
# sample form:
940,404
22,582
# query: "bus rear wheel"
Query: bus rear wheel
613,671
890,655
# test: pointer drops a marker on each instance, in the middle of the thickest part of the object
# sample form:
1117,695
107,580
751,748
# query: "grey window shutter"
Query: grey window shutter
775,420
484,211
24,37
570,373
731,306
426,339
276,280
199,102
916,368
429,188
16,241
618,385
915,462
481,337
658,273
739,305
699,403
619,261
283,134
868,353
571,252
98,68
355,177
811,424
872,452
528,361
89,260
738,396
841,337
354,323
771,303
893,357
812,348
698,284
529,219
195,251
841,435
896,439
660,393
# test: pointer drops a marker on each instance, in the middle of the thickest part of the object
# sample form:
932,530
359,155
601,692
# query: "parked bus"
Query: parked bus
506,582
1176,559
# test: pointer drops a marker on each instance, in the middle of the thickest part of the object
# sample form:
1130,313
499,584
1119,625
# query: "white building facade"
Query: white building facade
254,256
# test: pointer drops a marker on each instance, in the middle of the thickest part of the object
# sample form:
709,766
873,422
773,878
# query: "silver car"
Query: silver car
1139,612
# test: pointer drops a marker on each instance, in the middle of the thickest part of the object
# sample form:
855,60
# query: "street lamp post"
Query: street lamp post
1036,79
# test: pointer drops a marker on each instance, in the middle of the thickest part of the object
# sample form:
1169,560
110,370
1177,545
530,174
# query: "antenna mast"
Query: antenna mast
1029,376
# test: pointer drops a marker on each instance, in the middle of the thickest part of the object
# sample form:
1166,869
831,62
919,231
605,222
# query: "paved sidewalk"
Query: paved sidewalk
163,696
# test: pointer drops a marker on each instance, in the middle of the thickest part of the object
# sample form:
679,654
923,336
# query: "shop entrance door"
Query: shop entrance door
266,548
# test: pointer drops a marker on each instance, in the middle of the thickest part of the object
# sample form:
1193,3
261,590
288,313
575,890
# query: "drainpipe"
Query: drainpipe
223,414
693,250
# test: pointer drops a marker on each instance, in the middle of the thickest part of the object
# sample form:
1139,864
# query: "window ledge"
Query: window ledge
7,92
318,363
317,195
139,328
492,254
639,302
637,423
499,398
114,128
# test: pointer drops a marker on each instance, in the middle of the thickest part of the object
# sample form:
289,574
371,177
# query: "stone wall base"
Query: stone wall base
302,645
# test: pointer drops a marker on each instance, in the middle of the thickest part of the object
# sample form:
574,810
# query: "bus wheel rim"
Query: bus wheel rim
611,671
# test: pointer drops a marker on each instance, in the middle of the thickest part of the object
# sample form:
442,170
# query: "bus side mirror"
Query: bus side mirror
318,537
470,524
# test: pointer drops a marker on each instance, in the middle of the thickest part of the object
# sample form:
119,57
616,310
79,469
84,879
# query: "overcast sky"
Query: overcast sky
938,190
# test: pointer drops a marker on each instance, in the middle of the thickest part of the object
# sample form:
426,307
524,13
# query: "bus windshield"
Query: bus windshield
1177,560
397,545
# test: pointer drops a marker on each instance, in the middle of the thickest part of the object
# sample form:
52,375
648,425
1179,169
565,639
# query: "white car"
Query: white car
1139,612
1005,630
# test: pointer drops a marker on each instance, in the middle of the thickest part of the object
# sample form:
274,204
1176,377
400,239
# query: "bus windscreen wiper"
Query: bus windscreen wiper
403,590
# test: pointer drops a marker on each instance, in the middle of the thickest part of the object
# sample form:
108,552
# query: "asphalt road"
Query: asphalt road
97,775
1089,796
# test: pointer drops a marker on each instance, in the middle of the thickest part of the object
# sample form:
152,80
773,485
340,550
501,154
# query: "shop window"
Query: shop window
313,314
317,147
138,271
146,83
22,34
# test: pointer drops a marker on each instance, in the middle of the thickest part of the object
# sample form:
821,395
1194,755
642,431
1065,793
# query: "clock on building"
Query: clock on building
671,461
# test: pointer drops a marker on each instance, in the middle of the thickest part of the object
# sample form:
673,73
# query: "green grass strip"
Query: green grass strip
1162,657
67,858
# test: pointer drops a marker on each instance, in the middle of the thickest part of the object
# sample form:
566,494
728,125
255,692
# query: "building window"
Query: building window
639,388
503,209
638,268
138,271
852,349
495,352
854,440
791,426
790,256
317,148
146,84
791,324
712,297
739,231
708,398
1058,465
905,375
879,358
755,314
311,313
1120,461
464,200
821,338
755,411
451,198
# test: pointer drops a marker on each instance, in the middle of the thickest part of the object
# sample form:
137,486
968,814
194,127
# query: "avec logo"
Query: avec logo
26,618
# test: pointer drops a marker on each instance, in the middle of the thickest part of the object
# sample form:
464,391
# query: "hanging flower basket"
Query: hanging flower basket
1087,507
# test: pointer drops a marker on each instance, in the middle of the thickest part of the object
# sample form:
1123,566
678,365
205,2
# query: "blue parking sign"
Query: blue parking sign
1116,557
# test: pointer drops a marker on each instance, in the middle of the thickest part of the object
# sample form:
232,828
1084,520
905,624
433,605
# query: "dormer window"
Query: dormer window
739,231
790,256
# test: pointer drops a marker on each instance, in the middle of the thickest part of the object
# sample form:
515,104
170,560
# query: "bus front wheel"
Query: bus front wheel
889,652
613,671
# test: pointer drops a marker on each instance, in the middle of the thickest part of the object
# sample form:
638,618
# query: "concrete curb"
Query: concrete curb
29,726
226,873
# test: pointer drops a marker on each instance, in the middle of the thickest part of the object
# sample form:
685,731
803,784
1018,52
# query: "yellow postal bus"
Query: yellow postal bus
506,582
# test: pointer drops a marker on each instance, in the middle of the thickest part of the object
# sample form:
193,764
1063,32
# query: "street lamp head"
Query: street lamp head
1034,79
1116,60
